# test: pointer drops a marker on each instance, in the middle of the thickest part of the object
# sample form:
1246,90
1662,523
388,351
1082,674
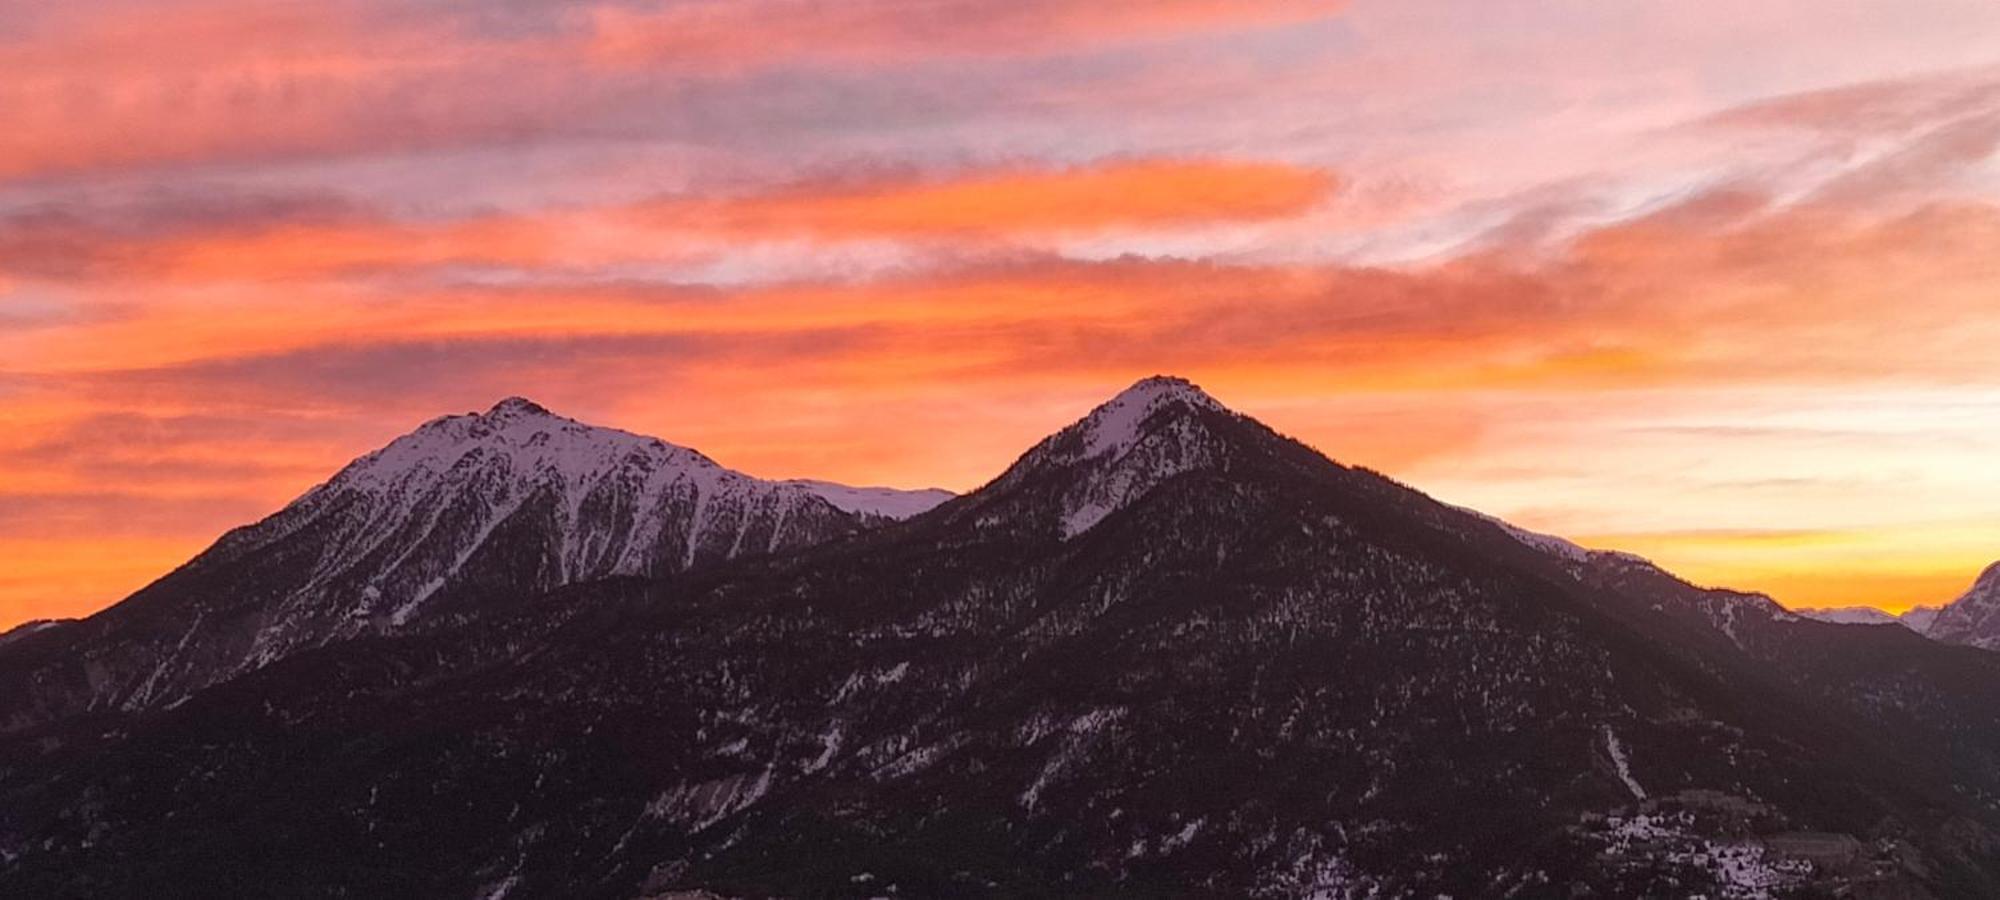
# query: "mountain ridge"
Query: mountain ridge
512,501
1252,671
1971,619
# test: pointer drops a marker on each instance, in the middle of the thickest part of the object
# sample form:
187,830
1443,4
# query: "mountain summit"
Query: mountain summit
551,500
1154,430
463,511
1119,424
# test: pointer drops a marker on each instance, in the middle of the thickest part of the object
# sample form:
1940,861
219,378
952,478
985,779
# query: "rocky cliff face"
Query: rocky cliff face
1974,618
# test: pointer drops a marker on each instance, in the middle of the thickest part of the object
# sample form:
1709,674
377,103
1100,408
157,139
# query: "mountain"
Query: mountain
1920,618
445,520
1167,652
888,503
1974,618
1853,615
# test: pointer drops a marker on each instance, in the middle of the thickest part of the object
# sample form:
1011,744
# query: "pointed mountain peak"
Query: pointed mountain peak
520,442
1156,388
521,437
519,407
1118,423
1158,428
1160,390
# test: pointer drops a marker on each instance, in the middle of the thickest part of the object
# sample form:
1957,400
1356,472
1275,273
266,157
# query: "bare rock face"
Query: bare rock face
463,513
1973,619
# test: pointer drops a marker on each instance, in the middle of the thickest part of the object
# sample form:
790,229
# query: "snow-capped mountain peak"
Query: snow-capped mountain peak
515,407
1158,428
513,501
614,500
1116,425
523,437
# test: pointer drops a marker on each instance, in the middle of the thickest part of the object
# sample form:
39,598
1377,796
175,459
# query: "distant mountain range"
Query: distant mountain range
1167,652
1972,619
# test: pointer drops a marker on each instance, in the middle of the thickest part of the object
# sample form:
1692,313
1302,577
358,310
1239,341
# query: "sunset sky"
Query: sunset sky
1715,283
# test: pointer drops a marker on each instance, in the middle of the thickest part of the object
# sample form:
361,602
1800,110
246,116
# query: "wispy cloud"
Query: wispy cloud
707,34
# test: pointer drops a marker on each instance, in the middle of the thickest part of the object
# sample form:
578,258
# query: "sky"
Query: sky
1719,285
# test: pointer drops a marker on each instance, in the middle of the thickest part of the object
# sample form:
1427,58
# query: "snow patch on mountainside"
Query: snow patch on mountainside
1547,543
36,626
1729,609
1147,434
1740,869
1139,464
1622,764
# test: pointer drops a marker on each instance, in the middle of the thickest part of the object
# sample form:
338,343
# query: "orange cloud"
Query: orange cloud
1017,201
1664,298
284,248
277,240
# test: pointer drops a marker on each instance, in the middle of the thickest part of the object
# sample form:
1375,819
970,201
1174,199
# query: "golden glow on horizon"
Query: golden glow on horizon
1893,570
1636,290
68,578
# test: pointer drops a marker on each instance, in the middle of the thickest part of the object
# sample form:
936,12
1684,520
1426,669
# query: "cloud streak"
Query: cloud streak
187,237
710,34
